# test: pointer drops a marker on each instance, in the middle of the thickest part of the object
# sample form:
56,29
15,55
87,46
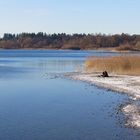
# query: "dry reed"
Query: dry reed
128,65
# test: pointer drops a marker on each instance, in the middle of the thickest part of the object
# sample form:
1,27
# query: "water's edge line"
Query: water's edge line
130,110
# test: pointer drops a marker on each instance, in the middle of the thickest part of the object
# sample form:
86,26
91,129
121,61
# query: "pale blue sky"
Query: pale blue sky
70,16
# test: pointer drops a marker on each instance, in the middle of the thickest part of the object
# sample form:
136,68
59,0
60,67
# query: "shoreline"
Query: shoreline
95,49
124,84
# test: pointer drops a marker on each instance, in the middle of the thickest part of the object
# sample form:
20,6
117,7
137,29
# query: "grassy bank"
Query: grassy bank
129,65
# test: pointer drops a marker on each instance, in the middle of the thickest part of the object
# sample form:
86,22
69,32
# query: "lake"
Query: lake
38,103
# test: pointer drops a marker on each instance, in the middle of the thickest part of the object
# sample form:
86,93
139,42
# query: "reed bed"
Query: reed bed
124,65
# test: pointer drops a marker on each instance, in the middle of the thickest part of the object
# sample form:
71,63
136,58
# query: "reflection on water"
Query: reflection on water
31,66
34,106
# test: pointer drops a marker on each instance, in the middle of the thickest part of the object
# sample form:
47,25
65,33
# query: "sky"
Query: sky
70,16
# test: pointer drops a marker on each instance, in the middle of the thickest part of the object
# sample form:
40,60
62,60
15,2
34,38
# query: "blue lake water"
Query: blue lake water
36,105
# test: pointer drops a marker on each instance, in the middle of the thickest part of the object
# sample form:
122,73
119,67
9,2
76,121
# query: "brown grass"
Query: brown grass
129,65
128,47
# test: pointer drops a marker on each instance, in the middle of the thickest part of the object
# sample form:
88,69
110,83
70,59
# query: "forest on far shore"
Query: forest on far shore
66,41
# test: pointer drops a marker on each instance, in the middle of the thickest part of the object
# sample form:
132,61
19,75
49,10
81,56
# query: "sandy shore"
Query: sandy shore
129,85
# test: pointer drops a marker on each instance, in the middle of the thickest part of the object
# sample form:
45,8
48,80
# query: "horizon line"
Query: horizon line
99,33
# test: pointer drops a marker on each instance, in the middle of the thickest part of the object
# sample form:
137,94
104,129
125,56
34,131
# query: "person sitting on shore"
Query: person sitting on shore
105,74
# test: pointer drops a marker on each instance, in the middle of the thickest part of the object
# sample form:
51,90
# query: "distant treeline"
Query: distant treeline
66,41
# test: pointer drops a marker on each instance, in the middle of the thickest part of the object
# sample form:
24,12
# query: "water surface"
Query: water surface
37,105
